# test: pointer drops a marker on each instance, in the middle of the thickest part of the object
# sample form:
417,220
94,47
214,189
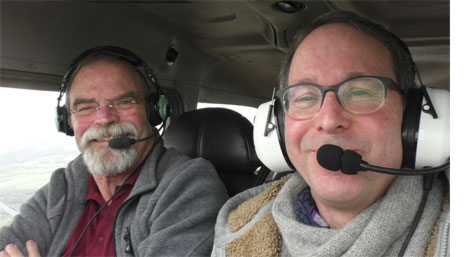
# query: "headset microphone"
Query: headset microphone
125,142
334,158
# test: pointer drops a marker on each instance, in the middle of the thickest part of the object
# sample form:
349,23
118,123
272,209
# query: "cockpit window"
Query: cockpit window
31,148
247,111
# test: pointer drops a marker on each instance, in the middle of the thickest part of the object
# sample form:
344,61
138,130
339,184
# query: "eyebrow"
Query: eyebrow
345,76
132,94
78,101
305,81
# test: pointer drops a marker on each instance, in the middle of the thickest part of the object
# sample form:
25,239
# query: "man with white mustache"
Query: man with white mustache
141,200
108,161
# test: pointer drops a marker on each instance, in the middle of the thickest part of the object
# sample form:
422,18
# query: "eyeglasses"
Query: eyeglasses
89,108
358,95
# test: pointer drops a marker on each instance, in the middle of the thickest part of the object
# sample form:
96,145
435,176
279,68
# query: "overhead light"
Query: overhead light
289,6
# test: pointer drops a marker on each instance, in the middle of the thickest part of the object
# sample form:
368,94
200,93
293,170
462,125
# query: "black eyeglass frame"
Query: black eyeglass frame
335,88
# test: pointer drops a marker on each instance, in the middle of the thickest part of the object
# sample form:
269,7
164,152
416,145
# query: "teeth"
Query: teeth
101,139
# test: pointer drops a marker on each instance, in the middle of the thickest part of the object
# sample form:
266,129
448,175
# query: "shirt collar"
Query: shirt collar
94,192
306,210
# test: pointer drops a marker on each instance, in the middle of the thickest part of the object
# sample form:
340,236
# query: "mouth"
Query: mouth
315,150
105,140
313,153
100,136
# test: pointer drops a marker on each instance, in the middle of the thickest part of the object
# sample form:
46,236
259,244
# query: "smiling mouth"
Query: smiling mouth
315,151
107,139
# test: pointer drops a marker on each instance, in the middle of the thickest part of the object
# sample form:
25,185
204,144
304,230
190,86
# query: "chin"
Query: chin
103,161
335,185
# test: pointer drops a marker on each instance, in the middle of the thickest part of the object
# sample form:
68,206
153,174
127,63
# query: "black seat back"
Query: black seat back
222,136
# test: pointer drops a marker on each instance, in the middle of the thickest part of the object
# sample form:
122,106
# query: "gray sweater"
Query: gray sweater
171,210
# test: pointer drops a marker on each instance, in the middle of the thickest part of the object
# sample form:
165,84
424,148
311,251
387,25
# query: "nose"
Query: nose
331,117
105,116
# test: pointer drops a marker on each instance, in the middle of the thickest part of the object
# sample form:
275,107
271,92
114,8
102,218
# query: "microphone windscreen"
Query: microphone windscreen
351,162
329,157
120,143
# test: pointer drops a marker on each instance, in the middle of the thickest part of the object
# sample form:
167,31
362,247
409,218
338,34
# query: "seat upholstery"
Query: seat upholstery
222,136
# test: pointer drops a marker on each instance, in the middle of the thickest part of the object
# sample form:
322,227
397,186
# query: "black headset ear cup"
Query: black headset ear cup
410,126
153,109
279,115
62,121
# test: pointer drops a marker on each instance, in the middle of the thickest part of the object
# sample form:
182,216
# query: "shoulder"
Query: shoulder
72,180
185,177
247,207
54,190
439,243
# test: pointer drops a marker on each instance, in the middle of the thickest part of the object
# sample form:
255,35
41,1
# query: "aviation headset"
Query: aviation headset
156,104
425,127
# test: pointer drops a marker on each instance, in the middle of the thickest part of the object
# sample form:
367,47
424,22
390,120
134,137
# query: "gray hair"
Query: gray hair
100,56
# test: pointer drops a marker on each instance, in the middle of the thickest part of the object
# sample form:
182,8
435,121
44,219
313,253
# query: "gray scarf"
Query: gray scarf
380,230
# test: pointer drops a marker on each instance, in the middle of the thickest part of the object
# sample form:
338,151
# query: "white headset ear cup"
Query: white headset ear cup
268,148
425,138
433,139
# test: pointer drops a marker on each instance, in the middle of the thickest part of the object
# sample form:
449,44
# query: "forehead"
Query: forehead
106,75
337,51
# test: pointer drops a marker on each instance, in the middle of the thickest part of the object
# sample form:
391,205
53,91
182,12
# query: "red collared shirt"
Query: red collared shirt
98,239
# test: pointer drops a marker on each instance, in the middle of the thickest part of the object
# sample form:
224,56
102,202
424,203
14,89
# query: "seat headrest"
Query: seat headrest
222,136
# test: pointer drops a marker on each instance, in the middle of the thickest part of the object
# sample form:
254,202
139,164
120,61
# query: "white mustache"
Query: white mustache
115,130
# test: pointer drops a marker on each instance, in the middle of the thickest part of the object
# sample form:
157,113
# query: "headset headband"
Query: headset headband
153,105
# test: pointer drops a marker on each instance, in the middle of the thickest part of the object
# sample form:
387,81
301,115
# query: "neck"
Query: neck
107,184
338,211
338,214
336,218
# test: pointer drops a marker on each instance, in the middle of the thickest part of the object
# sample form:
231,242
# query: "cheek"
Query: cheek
290,134
79,129
384,132
293,132
138,119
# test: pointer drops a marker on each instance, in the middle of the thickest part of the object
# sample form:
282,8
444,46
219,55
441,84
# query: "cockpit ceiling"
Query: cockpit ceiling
228,46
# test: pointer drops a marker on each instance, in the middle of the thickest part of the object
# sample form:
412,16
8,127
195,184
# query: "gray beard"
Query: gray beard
105,161
108,162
